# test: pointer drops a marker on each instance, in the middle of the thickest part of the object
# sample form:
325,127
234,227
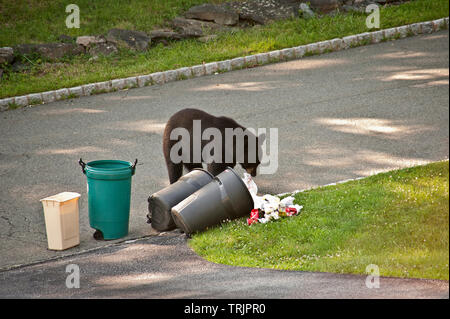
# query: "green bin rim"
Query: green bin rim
117,168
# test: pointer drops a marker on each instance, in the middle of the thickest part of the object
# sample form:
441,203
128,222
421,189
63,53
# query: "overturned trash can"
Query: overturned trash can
160,203
109,193
224,198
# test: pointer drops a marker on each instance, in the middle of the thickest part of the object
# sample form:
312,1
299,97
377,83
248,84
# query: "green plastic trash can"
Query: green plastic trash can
109,193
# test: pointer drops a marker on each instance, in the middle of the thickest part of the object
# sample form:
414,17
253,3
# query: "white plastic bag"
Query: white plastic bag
287,201
253,189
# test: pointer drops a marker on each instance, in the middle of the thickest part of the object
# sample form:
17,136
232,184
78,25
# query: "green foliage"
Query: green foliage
397,220
43,21
37,21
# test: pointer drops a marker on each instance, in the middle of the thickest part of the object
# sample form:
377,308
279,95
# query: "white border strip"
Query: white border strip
228,65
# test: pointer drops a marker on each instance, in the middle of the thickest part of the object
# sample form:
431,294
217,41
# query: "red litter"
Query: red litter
254,215
290,211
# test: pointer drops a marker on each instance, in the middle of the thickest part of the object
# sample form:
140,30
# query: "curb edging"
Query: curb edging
238,63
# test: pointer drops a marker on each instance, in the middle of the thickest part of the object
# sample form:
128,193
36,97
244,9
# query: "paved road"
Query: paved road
340,115
163,267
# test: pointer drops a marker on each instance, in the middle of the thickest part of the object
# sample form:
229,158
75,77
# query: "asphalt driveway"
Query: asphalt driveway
341,115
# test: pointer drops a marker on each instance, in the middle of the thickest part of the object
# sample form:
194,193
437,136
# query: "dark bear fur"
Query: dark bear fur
184,119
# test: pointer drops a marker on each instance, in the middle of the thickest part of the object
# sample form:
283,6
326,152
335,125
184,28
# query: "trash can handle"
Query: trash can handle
133,167
83,166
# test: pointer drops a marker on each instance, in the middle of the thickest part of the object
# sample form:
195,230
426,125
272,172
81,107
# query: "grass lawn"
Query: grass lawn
397,220
43,21
39,21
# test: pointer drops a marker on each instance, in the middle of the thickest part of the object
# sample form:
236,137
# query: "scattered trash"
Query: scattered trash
253,189
254,216
268,207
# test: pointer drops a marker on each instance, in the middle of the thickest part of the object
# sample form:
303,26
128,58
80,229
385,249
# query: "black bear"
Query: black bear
224,141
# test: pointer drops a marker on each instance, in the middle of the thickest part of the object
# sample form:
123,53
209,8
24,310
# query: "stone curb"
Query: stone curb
227,65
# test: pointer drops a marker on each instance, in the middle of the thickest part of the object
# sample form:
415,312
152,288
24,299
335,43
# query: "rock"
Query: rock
211,68
66,38
55,51
19,66
196,28
198,70
347,8
25,48
135,40
89,40
264,11
210,12
306,10
102,48
184,73
190,27
50,51
164,35
324,6
224,66
6,55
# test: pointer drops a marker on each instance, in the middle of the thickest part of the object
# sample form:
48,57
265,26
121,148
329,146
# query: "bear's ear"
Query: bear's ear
261,138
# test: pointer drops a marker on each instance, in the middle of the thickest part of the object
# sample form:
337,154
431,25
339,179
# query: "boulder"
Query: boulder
166,34
89,40
19,66
135,40
324,6
102,48
66,38
264,11
6,55
50,51
349,8
211,12
195,28
25,48
56,51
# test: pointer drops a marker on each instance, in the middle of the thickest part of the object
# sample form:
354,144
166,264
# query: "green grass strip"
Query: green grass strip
398,221
81,69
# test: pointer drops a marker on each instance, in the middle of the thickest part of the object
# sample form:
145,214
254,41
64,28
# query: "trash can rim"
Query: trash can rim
203,170
126,165
61,197
124,169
